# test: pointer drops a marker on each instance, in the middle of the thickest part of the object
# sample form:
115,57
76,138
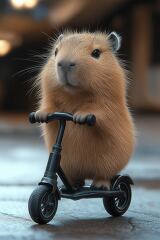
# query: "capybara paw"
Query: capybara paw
78,184
80,117
100,185
41,117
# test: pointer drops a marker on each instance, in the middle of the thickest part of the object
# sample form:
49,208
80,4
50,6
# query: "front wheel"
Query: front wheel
117,206
43,204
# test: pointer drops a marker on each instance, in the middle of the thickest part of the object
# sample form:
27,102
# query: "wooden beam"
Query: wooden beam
141,49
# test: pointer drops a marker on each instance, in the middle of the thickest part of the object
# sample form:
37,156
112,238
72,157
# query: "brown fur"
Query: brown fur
101,151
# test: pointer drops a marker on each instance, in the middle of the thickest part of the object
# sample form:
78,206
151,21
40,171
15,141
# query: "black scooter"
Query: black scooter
44,199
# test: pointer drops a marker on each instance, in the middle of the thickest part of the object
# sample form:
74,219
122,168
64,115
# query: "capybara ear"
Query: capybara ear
60,37
115,40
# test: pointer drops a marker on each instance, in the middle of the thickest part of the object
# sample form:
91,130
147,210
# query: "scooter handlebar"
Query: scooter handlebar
90,118
32,118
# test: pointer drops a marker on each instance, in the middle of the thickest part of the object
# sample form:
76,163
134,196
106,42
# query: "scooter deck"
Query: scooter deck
87,192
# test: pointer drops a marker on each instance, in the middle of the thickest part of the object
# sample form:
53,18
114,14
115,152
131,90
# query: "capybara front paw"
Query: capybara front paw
100,185
41,117
80,117
79,184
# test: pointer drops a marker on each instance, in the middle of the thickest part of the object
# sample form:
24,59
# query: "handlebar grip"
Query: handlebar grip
91,119
32,117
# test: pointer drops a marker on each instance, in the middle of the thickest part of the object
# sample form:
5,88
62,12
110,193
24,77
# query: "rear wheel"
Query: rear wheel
43,204
117,206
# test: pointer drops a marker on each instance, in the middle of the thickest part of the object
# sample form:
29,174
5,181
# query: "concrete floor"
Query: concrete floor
23,159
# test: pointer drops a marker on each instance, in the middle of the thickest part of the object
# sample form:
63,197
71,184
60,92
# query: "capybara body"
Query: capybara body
82,76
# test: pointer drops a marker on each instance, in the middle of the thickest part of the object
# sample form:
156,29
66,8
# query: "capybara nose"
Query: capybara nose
66,66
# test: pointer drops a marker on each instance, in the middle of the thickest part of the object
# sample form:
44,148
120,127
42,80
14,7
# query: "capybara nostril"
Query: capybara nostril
66,65
60,64
72,64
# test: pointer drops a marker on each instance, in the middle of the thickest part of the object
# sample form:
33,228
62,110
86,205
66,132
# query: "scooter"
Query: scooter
43,202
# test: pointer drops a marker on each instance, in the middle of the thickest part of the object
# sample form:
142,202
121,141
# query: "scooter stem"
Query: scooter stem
50,177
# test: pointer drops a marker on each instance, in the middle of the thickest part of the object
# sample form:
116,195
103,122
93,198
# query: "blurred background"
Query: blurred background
26,27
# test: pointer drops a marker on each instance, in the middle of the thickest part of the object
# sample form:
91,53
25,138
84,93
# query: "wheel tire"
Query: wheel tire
43,204
117,206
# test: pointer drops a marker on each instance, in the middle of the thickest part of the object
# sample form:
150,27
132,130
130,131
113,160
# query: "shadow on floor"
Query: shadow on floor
87,227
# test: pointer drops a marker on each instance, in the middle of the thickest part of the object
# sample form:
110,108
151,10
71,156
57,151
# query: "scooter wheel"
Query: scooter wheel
43,204
117,206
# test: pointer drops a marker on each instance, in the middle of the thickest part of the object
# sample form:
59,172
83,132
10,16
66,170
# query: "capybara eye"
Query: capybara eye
96,53
56,51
